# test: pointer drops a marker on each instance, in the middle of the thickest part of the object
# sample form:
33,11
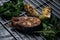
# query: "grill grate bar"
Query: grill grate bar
29,37
53,3
23,37
38,38
8,31
55,7
56,2
19,35
7,36
32,37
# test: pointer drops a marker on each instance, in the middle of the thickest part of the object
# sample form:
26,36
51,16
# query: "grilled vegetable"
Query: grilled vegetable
46,11
32,11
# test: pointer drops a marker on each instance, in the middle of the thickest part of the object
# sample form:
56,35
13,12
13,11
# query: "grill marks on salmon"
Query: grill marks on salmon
26,21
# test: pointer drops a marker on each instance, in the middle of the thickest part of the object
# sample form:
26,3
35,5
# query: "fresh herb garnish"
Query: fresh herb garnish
11,9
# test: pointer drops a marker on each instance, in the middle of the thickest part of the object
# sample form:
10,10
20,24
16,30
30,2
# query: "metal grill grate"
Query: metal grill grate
38,4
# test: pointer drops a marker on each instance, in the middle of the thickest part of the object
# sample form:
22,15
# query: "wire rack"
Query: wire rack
38,4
